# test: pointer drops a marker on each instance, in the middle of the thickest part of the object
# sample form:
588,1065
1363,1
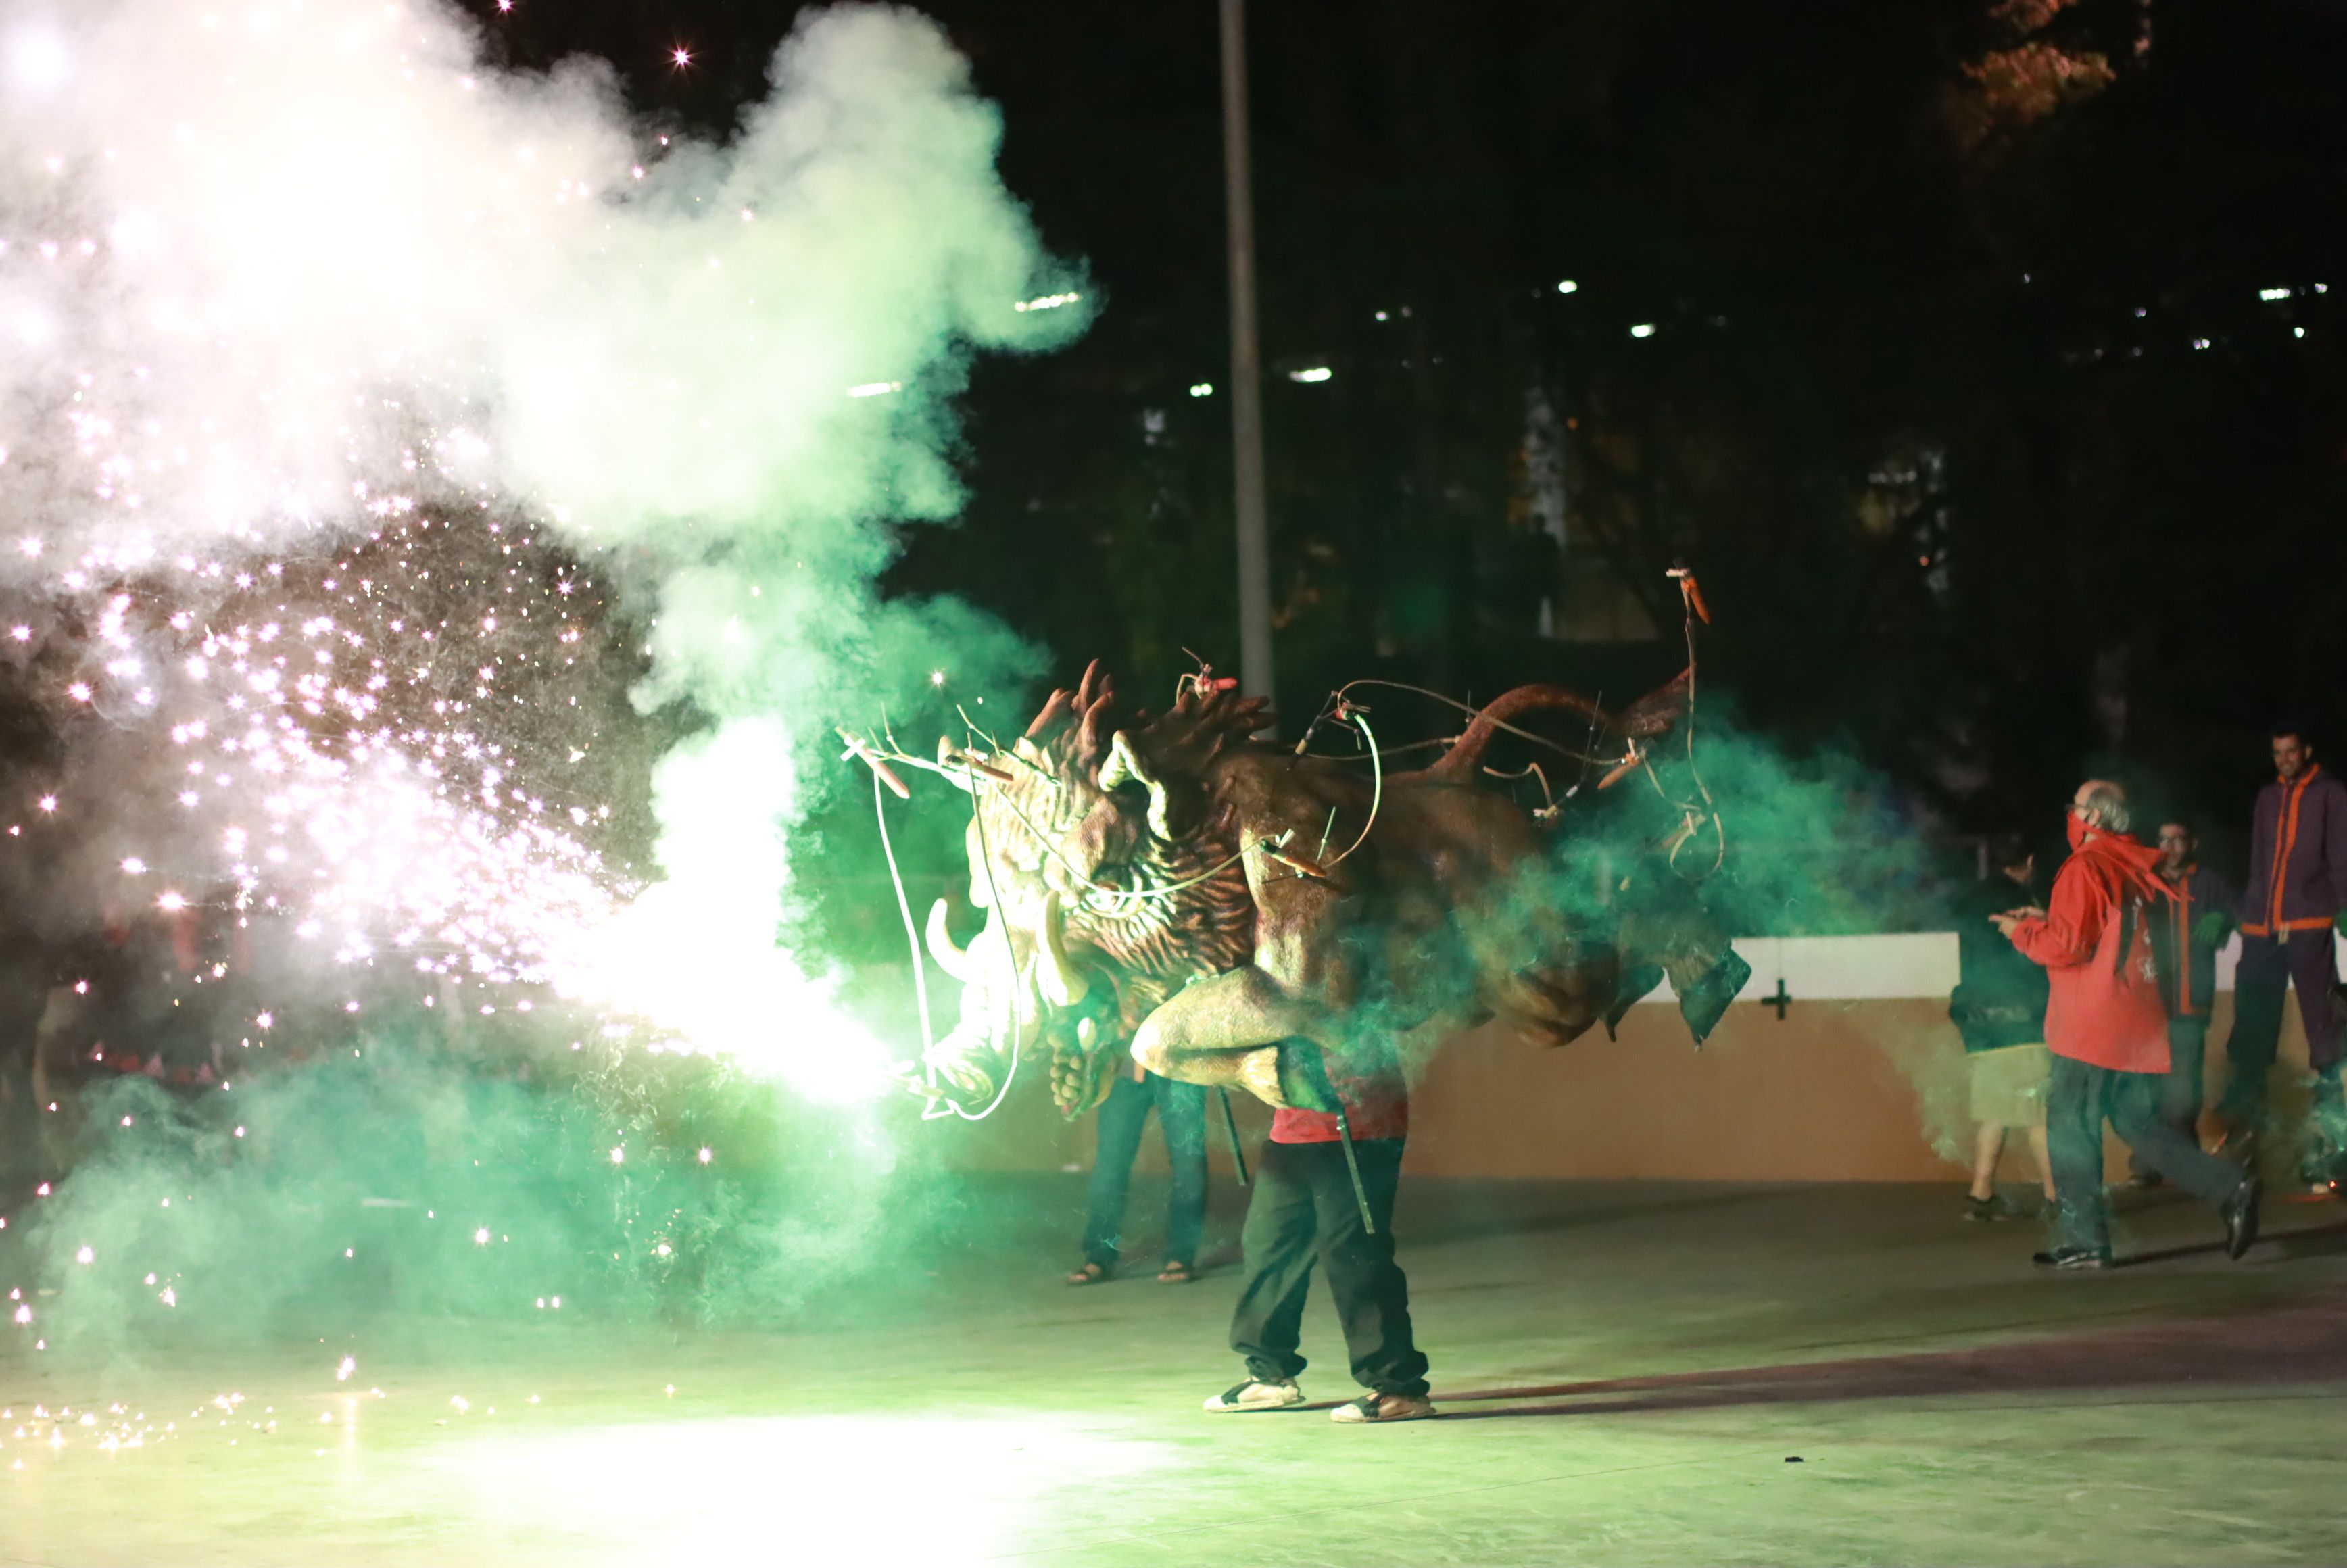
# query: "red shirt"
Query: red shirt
2103,1003
1376,1107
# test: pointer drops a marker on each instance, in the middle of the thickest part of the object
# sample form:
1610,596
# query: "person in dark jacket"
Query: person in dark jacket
2297,871
1999,1008
2199,918
2107,1029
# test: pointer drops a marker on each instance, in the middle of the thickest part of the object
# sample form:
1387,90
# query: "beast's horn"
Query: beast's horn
1055,976
953,960
1124,767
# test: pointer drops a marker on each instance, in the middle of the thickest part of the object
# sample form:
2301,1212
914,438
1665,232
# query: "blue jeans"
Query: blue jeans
1182,1118
2079,1097
2180,1092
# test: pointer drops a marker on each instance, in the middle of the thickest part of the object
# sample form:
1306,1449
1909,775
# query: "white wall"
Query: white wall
1876,967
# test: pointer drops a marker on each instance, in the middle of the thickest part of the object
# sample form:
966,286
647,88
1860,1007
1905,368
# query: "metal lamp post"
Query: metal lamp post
1247,367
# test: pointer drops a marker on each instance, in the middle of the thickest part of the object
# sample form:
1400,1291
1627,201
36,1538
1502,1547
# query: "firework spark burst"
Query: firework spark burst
323,455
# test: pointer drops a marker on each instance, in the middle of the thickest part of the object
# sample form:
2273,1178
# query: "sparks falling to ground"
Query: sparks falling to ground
401,750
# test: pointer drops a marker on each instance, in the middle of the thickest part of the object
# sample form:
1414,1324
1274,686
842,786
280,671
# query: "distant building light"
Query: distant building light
1568,287
875,389
1047,302
2270,295
1317,372
2298,332
2199,343
1202,389
1644,329
2322,288
1385,315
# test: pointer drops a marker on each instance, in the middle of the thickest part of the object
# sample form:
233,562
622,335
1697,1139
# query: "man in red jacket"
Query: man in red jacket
2106,1026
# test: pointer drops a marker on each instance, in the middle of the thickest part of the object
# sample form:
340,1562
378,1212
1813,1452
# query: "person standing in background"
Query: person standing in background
2297,871
1182,1119
1999,1008
2200,917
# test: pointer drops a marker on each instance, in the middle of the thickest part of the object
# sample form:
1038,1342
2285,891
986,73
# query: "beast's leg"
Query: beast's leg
1663,926
1225,1032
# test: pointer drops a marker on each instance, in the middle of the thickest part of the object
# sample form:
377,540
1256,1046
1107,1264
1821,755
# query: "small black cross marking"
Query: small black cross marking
1780,1001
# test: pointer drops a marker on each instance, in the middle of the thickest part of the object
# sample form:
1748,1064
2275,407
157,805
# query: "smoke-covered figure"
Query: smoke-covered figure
1171,887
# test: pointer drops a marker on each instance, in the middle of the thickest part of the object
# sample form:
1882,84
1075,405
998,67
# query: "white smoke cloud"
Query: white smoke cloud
259,263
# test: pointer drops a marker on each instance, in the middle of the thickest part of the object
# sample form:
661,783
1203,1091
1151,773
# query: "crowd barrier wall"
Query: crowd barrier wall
1838,1063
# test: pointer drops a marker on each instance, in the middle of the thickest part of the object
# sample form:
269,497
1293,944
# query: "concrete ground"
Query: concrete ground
1646,1374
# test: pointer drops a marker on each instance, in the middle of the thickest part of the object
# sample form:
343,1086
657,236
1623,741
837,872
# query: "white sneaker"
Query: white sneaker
1383,1408
1256,1395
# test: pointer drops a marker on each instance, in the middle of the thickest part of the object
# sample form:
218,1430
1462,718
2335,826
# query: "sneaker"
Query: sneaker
1996,1207
1383,1408
2074,1257
2143,1181
1256,1395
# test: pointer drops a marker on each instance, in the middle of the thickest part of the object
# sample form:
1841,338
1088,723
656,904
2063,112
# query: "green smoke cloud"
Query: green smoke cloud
722,378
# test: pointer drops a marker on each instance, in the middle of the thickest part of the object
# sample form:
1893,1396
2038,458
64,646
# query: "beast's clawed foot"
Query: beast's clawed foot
1705,1003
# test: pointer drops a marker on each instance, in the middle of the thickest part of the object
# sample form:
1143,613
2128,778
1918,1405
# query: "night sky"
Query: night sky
1976,353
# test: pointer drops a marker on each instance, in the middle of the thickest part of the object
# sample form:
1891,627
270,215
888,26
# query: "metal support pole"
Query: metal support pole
1247,367
1230,1125
1353,1169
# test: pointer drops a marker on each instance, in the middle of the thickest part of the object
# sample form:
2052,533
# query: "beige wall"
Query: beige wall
1836,1092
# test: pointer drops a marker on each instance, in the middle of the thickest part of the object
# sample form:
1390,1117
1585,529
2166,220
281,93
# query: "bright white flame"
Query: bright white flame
425,298
39,58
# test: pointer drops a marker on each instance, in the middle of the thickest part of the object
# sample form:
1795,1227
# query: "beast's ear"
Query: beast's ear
1176,800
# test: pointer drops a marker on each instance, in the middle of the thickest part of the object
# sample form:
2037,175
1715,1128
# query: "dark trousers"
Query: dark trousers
2079,1097
1304,1207
2181,1090
1182,1118
2309,960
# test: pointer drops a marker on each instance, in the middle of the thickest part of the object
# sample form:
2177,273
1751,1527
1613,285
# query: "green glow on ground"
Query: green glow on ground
1947,1407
